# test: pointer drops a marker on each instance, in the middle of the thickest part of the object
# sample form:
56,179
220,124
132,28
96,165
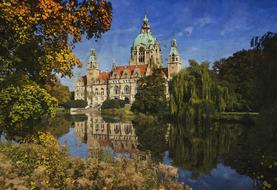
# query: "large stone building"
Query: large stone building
120,82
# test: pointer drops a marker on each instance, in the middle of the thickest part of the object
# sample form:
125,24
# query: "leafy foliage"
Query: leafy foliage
75,104
43,164
266,77
195,91
27,102
37,38
59,91
239,73
113,103
35,34
151,94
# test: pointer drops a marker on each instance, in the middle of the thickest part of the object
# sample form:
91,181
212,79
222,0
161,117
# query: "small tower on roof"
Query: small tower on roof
174,60
145,28
92,67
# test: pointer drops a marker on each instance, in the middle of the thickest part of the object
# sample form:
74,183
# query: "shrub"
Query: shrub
19,104
43,164
75,104
113,103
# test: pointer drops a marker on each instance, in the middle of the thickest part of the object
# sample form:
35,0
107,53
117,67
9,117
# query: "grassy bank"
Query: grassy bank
42,163
118,113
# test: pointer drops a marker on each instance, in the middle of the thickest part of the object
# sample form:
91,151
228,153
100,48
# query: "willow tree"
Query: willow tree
195,92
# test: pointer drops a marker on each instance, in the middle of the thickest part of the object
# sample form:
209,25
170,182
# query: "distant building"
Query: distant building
120,82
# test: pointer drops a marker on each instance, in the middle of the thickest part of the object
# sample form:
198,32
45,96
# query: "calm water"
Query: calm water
209,156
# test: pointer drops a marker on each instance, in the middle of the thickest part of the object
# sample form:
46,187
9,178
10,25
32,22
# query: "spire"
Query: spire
174,43
114,63
145,26
173,49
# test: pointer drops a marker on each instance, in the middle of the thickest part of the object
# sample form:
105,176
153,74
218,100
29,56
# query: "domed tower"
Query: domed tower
92,67
146,48
174,60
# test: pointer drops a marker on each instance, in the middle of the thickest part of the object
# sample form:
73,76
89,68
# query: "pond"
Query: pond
209,156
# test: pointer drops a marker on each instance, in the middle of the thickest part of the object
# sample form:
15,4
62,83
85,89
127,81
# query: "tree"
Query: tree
113,103
239,73
59,91
19,105
151,94
266,48
75,104
37,38
195,92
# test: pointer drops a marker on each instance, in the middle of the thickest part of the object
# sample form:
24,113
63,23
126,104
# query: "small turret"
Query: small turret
174,60
145,28
92,67
92,64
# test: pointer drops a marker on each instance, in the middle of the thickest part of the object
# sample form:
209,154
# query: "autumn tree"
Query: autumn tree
37,38
59,91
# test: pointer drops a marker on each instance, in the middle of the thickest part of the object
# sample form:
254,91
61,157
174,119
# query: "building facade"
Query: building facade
120,83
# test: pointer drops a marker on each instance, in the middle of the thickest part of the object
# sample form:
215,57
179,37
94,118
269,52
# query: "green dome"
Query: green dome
145,39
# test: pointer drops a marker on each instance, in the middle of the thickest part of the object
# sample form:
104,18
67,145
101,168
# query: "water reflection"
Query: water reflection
207,155
199,148
119,137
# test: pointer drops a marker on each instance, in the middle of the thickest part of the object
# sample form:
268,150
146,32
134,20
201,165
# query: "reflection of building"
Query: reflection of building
80,131
99,134
120,83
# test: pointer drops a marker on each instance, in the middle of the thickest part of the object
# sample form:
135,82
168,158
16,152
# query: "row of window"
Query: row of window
126,75
127,90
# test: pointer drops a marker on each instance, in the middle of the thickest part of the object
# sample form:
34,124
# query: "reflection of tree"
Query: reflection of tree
56,126
255,153
151,137
199,148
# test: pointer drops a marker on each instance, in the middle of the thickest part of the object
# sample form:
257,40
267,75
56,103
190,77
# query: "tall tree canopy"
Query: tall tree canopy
194,91
239,73
37,38
151,94
266,81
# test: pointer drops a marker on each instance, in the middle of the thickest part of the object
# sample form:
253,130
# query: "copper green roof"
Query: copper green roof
146,39
173,49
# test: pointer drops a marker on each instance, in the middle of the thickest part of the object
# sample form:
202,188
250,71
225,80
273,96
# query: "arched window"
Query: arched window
117,129
116,90
96,91
102,91
141,55
127,89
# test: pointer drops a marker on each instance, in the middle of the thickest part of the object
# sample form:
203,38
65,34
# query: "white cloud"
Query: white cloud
187,31
204,21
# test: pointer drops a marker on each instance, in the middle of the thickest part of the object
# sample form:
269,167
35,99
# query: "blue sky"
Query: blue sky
205,29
